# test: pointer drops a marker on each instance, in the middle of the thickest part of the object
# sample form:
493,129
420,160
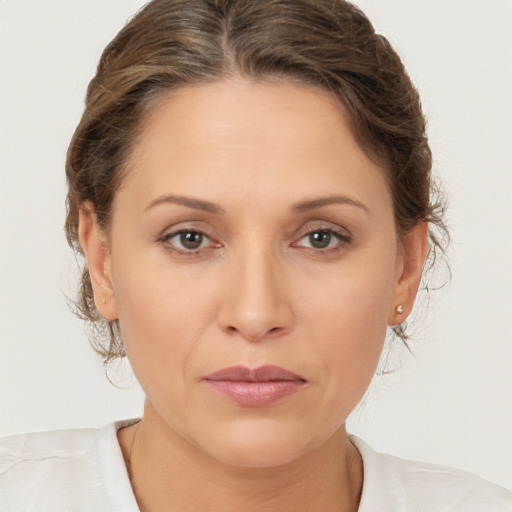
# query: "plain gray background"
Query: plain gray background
449,403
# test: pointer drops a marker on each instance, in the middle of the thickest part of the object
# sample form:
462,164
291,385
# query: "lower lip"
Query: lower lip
256,394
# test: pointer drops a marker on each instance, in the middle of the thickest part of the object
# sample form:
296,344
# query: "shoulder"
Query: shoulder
51,470
395,484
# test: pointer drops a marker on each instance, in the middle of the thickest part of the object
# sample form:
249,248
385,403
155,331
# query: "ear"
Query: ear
97,253
412,254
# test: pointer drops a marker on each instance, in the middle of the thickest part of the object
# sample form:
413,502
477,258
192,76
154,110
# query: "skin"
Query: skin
259,290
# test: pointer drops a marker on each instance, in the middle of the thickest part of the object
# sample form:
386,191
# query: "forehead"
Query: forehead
240,111
251,138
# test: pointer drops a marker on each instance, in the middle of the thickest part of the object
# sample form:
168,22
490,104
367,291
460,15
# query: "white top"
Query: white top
83,470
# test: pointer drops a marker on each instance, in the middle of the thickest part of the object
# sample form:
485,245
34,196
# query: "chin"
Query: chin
259,444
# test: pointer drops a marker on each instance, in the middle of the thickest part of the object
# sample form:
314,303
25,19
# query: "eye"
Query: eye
187,241
323,239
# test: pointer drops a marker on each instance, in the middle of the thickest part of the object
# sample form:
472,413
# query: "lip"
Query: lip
257,387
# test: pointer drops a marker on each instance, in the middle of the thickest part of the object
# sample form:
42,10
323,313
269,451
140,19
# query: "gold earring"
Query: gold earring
399,309
104,301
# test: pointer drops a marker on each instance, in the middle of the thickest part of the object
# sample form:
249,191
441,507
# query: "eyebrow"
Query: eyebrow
189,202
312,204
209,207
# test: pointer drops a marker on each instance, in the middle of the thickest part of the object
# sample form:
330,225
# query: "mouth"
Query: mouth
258,387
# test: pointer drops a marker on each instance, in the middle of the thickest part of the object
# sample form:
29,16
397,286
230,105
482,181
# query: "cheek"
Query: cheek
161,316
348,324
352,300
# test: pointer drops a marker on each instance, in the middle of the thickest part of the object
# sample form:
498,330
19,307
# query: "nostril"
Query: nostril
254,335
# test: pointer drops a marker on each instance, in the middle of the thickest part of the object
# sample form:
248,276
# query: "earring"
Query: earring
399,309
104,301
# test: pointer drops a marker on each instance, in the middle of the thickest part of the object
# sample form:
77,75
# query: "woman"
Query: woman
250,187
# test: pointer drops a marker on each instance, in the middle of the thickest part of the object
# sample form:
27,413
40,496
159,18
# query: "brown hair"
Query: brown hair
172,43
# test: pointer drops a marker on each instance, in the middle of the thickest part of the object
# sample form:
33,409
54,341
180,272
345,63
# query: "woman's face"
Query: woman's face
252,230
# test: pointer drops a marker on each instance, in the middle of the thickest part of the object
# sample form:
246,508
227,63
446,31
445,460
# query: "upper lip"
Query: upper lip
267,373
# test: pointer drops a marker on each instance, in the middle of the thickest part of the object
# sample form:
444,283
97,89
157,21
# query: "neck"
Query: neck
170,474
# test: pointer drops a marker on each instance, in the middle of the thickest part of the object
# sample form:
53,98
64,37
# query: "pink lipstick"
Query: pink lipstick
259,387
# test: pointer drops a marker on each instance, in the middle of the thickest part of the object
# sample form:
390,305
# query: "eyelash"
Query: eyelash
166,240
342,238
342,241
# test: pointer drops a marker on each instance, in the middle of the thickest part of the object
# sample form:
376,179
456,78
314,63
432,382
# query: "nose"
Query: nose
256,303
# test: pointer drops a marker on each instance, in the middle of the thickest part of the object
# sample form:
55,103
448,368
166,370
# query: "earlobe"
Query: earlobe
409,272
97,253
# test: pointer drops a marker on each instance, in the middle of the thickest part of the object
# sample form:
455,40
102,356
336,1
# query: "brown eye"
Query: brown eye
187,241
191,239
323,240
320,239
